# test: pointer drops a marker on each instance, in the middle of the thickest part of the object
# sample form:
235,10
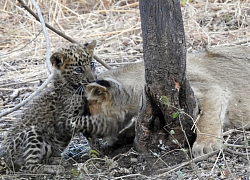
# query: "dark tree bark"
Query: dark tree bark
165,65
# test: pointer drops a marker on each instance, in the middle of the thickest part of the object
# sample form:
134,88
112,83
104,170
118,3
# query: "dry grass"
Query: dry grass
115,24
116,27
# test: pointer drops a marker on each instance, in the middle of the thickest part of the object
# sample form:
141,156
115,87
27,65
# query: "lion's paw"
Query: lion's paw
205,146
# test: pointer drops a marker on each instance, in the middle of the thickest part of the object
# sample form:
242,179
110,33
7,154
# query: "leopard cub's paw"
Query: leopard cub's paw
205,146
53,169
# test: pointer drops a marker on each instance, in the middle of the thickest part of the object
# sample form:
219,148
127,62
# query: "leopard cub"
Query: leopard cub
44,130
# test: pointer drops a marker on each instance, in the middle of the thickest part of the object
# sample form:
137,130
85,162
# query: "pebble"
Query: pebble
133,160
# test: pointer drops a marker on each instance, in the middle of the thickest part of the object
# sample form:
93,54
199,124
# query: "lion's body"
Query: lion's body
220,80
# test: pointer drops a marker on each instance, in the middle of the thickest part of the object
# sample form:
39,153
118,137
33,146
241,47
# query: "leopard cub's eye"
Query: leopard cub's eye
92,66
79,70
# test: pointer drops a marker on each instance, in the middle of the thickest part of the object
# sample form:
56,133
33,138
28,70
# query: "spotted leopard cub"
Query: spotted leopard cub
44,129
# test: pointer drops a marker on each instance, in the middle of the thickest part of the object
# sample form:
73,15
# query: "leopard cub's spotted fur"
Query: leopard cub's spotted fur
45,127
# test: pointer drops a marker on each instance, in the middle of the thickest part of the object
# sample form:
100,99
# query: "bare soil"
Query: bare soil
115,24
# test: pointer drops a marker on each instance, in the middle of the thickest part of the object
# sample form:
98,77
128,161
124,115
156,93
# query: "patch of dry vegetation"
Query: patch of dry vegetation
115,24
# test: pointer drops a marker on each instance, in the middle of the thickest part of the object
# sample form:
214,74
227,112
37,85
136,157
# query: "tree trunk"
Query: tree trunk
164,54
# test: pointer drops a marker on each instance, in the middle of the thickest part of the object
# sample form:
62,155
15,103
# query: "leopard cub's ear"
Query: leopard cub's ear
91,47
57,60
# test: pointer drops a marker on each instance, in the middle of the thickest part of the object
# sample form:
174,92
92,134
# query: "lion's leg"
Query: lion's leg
209,128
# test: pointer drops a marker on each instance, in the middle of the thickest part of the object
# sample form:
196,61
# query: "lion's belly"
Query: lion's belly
238,111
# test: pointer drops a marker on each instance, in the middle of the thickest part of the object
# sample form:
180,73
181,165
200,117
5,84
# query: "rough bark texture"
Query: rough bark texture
165,65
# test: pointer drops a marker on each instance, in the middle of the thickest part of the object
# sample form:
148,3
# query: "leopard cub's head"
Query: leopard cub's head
74,63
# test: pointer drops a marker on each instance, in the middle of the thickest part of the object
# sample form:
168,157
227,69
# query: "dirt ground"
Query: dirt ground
115,24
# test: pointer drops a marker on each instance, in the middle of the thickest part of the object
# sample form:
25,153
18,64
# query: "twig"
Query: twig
231,131
20,83
113,10
217,159
129,5
227,170
195,160
235,152
102,62
22,175
245,140
115,32
130,175
48,51
236,145
59,32
47,25
123,63
159,158
241,42
29,98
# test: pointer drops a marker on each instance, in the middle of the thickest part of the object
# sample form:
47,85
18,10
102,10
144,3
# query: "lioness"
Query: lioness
220,79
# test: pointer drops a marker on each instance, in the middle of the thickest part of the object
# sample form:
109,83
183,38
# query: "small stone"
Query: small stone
204,166
133,160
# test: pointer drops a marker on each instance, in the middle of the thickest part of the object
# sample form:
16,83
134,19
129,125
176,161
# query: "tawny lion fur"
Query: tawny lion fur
220,79
116,96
